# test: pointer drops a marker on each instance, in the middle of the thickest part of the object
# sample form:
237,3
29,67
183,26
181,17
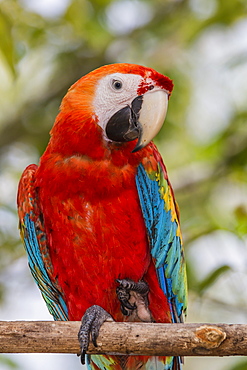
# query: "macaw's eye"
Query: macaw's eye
117,85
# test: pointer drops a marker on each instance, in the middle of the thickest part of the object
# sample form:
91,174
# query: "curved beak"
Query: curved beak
142,120
152,116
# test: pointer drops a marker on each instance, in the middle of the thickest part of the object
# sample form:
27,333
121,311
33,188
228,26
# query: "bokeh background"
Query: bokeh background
46,45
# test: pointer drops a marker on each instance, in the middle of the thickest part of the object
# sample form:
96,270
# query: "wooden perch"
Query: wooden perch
126,338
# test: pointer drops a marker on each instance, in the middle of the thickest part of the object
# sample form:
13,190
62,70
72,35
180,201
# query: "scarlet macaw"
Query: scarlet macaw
98,216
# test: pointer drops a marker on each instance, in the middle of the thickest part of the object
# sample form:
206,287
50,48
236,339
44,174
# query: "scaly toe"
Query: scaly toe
91,322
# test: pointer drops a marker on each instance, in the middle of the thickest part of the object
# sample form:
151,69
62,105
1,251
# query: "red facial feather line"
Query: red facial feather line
157,79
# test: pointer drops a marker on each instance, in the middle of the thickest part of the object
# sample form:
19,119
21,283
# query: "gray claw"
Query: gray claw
91,322
124,295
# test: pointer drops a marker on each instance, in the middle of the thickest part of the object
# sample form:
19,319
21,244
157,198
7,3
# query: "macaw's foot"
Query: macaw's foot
133,297
91,322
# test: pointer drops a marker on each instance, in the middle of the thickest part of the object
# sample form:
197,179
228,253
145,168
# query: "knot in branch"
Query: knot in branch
210,336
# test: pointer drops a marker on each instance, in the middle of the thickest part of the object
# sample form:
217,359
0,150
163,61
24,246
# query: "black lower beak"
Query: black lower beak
123,125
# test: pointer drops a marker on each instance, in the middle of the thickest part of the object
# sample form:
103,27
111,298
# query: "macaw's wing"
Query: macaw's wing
162,222
35,242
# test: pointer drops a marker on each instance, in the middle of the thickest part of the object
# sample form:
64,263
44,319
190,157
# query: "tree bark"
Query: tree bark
126,338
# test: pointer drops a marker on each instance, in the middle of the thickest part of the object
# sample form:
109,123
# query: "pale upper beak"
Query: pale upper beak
142,120
152,116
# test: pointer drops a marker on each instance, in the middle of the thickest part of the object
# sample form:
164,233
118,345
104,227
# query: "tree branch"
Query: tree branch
126,338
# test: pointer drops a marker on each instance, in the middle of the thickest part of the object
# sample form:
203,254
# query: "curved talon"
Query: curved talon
126,304
91,322
123,310
129,290
124,297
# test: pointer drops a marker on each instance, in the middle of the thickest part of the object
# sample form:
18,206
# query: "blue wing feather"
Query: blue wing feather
53,298
164,236
35,243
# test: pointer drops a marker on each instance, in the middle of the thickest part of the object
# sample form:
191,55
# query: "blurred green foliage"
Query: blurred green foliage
240,366
9,363
41,55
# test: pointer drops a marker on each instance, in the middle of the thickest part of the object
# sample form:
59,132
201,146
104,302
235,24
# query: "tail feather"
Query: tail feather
177,363
105,362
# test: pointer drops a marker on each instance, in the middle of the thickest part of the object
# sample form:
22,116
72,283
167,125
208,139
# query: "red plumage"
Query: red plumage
91,208
85,189
95,228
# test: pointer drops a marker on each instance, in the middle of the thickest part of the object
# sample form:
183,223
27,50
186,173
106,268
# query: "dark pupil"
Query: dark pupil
117,85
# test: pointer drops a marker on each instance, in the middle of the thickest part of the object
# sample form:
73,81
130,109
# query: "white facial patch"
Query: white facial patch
113,93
